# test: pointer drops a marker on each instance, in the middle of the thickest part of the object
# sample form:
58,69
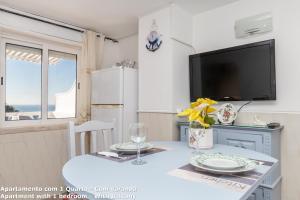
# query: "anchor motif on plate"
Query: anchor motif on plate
154,38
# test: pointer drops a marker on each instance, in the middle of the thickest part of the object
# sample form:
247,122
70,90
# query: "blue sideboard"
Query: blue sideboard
259,139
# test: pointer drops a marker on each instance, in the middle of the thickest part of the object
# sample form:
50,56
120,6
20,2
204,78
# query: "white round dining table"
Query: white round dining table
94,177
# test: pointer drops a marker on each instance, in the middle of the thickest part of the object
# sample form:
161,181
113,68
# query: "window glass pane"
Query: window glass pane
23,83
62,85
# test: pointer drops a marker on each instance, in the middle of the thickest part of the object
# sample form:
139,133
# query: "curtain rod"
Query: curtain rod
109,38
40,20
80,30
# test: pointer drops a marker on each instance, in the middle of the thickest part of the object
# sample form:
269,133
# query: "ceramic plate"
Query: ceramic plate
227,113
131,146
219,161
250,166
116,148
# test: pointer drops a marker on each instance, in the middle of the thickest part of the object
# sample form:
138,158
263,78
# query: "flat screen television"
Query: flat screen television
242,73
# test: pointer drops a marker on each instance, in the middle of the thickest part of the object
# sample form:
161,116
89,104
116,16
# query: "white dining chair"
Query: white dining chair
104,129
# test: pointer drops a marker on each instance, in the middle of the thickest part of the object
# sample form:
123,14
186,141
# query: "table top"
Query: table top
87,173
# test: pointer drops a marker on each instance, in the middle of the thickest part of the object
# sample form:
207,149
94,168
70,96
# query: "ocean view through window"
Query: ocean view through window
39,83
23,83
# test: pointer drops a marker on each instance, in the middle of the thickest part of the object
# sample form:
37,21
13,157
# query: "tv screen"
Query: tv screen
242,73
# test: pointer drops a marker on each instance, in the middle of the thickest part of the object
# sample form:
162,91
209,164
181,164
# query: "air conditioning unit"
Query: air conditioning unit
257,24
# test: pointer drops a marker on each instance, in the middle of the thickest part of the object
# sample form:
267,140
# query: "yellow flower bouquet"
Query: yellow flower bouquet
200,116
199,113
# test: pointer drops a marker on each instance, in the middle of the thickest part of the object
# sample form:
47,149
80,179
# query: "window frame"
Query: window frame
45,48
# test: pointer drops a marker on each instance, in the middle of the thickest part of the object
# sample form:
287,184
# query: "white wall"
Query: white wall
163,74
181,25
127,48
155,81
111,54
214,29
180,75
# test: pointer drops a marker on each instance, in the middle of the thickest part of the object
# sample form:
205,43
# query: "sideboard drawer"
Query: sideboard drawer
242,140
257,195
242,144
262,193
184,132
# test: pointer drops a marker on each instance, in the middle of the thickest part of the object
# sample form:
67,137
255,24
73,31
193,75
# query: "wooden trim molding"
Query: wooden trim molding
37,128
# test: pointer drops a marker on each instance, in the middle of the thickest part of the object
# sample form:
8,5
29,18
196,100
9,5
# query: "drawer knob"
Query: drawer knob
242,145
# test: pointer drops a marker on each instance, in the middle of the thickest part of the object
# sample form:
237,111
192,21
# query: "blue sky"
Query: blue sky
23,81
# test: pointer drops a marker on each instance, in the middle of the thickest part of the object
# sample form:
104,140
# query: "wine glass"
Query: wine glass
138,136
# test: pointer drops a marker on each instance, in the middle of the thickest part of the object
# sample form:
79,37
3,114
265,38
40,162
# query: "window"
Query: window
61,85
23,83
38,82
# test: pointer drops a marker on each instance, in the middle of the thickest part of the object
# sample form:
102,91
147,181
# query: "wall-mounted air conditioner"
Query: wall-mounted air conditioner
257,24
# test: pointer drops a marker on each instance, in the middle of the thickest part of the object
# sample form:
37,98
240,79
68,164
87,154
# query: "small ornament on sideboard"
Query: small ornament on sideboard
227,114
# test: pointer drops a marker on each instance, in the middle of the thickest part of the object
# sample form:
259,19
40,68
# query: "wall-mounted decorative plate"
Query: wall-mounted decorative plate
227,114
154,38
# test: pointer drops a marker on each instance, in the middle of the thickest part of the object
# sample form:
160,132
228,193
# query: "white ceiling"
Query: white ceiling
115,18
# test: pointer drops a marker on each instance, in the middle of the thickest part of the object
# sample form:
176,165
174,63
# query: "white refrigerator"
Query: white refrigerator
114,97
